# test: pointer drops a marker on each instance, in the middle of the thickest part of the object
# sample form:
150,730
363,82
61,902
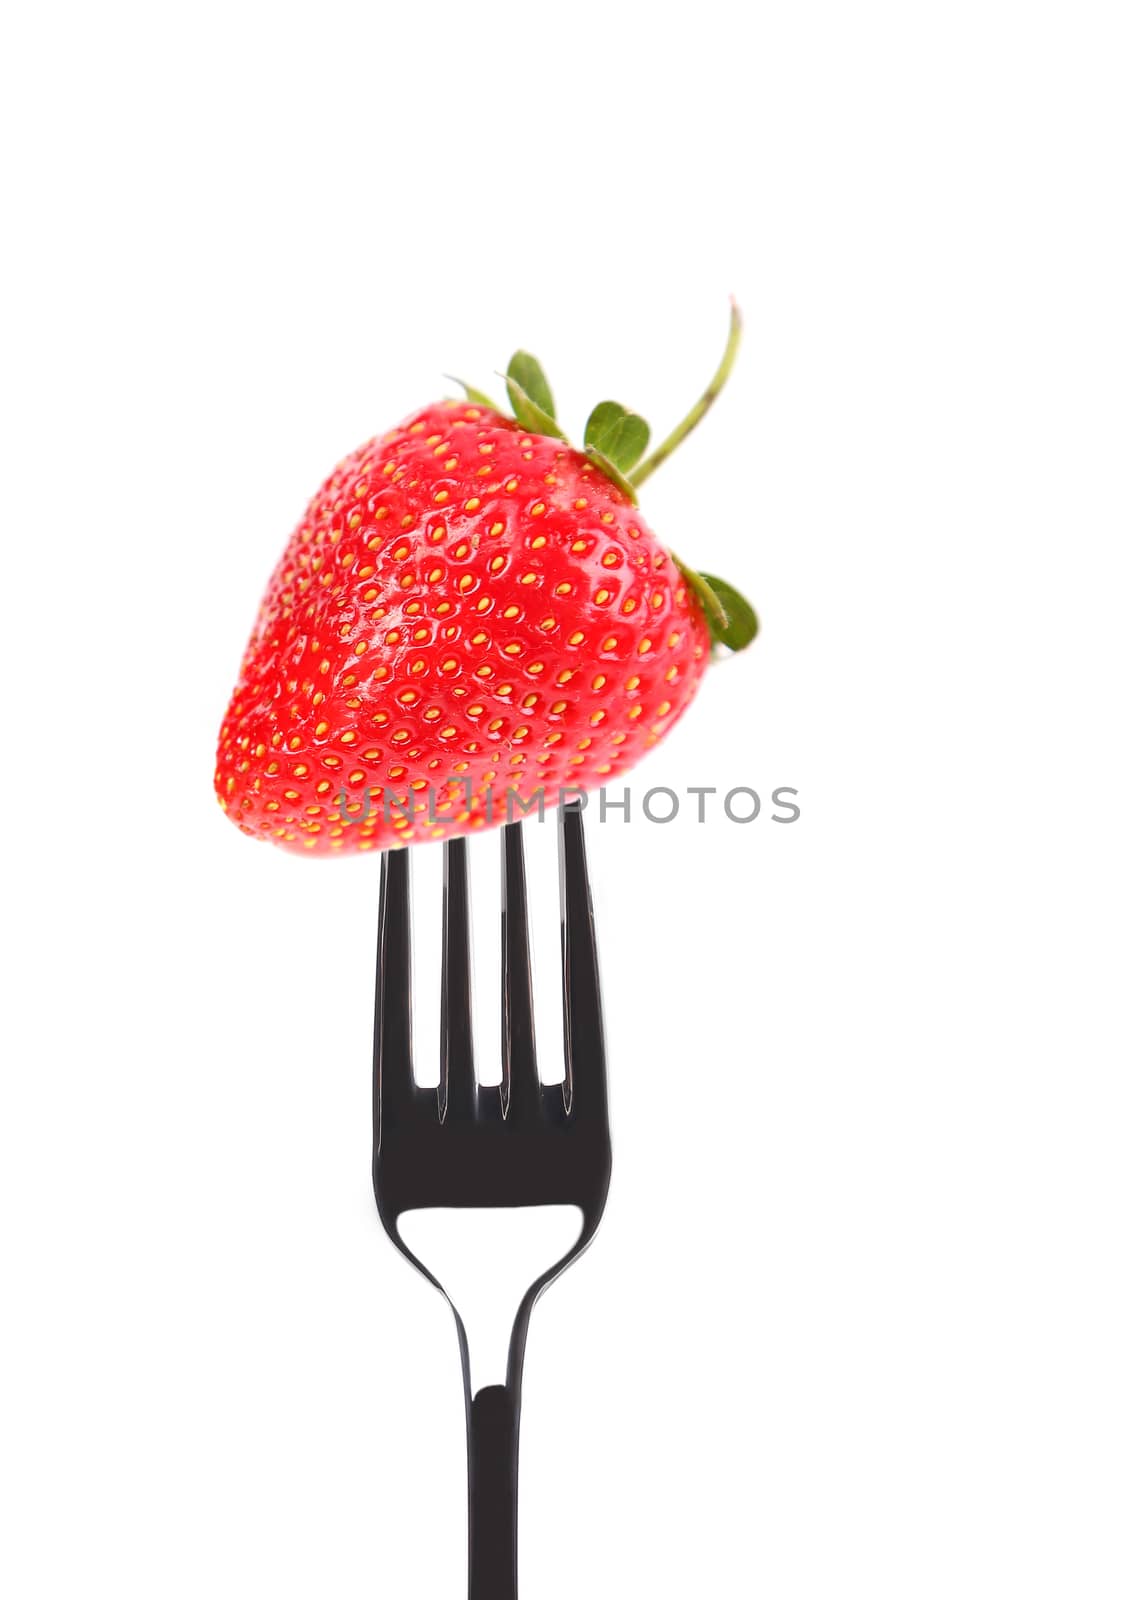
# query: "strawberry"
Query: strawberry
470,606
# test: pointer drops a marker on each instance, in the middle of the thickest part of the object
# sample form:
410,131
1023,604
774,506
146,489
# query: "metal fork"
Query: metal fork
519,1144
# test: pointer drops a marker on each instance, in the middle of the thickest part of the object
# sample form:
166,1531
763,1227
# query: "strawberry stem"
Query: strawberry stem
699,410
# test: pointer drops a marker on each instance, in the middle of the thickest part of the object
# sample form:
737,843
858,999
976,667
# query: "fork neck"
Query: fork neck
492,1484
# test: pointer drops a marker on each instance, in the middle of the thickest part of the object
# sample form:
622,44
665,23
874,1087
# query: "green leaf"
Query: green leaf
739,625
619,435
612,472
528,375
476,396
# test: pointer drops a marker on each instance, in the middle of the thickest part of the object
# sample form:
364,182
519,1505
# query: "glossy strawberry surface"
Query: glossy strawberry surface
466,608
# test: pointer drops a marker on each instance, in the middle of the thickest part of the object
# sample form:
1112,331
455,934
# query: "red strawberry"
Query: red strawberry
469,606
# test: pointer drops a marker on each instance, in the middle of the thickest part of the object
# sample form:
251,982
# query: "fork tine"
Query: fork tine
586,1093
522,1093
395,1091
458,1092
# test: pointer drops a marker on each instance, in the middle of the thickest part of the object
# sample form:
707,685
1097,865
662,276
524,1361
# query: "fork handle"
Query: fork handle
492,1480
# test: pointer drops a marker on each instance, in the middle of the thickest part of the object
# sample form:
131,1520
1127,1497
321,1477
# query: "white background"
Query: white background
857,1322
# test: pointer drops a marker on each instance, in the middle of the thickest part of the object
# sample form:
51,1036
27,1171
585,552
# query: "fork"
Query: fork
521,1143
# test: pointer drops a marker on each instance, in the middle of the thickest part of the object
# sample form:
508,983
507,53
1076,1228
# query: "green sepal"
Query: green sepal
618,434
530,413
476,396
713,608
731,618
613,473
531,397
